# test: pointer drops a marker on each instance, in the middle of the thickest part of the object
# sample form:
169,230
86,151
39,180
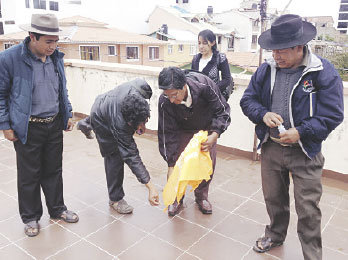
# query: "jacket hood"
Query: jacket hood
143,88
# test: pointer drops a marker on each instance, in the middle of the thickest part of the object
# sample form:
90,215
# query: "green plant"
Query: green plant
340,60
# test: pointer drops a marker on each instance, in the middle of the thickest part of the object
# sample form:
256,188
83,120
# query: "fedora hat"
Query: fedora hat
46,24
287,31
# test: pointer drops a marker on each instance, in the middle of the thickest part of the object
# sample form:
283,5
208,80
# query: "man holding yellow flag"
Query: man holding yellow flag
190,102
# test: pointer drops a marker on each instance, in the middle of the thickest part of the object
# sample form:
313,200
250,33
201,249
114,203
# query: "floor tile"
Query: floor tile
336,239
116,237
290,250
82,250
13,252
151,248
180,233
48,242
215,246
253,210
241,229
225,200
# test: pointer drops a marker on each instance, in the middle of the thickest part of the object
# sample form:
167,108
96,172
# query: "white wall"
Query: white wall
88,79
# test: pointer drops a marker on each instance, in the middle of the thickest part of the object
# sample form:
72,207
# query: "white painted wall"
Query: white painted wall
87,79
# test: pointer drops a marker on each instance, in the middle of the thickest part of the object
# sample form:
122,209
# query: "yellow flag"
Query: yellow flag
192,167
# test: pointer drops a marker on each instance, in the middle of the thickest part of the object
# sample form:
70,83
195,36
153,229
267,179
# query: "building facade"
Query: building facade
342,25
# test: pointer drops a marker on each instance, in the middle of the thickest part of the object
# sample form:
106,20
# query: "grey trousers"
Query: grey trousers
276,163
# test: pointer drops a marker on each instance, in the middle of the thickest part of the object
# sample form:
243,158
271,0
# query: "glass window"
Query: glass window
153,53
27,3
170,48
133,53
219,39
344,8
40,4
54,6
231,42
254,39
343,16
112,50
180,48
342,25
1,28
8,45
89,52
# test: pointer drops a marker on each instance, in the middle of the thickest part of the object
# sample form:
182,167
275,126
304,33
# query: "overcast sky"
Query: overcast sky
129,14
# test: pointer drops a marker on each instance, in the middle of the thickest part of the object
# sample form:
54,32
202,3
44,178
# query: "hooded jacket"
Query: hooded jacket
209,111
315,107
113,132
16,88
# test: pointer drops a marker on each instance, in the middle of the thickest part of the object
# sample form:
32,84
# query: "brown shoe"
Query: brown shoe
174,208
204,206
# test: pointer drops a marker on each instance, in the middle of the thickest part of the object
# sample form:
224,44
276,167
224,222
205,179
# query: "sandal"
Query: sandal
121,206
32,228
264,244
69,216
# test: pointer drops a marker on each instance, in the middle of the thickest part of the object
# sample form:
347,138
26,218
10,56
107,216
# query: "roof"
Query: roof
319,19
85,30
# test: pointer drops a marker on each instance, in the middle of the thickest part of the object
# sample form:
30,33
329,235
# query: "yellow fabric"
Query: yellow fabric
192,167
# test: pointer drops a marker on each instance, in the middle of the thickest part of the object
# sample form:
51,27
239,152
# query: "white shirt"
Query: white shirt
188,101
204,62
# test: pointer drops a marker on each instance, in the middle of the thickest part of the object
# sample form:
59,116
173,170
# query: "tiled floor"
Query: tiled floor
238,218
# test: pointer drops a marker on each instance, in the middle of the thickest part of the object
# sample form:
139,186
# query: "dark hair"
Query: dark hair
135,110
171,78
37,35
208,35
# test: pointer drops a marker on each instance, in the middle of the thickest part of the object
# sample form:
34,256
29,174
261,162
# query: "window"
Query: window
89,52
193,49
344,8
8,45
343,16
40,4
254,39
10,22
54,6
27,3
1,28
231,42
342,25
185,1
112,50
170,49
219,39
133,53
180,48
153,53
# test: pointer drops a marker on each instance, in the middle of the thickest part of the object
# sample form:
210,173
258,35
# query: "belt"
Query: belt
43,120
275,140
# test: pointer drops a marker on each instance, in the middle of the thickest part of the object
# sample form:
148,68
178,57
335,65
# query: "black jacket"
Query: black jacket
217,63
113,132
209,111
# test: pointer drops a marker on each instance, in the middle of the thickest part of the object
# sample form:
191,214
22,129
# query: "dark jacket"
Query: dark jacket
217,63
16,88
209,111
316,102
113,132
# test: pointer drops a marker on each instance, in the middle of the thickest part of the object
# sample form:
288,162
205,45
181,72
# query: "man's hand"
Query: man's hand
70,125
272,119
289,136
10,135
207,145
153,194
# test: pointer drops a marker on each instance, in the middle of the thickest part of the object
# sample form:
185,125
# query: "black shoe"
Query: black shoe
174,208
204,206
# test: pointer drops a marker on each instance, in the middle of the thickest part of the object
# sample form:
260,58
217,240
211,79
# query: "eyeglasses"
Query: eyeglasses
174,96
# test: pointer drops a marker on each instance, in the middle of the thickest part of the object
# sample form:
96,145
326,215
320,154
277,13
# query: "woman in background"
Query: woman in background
211,62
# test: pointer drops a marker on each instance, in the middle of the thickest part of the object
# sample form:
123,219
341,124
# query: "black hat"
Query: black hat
287,31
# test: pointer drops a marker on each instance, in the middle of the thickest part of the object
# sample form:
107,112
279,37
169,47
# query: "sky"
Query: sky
131,14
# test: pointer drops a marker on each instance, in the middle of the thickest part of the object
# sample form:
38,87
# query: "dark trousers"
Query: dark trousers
201,192
114,169
39,164
276,163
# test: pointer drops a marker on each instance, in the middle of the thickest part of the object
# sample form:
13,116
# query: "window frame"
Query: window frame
8,43
193,49
154,59
180,47
115,50
170,47
98,46
132,46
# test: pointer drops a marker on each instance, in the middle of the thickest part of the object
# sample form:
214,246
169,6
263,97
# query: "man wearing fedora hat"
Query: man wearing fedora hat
34,109
296,100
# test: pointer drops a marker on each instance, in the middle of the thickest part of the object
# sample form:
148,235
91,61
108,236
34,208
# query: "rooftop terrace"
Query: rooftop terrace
239,214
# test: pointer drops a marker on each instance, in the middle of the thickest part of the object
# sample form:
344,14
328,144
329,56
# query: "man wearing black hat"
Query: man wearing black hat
189,103
296,100
34,109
